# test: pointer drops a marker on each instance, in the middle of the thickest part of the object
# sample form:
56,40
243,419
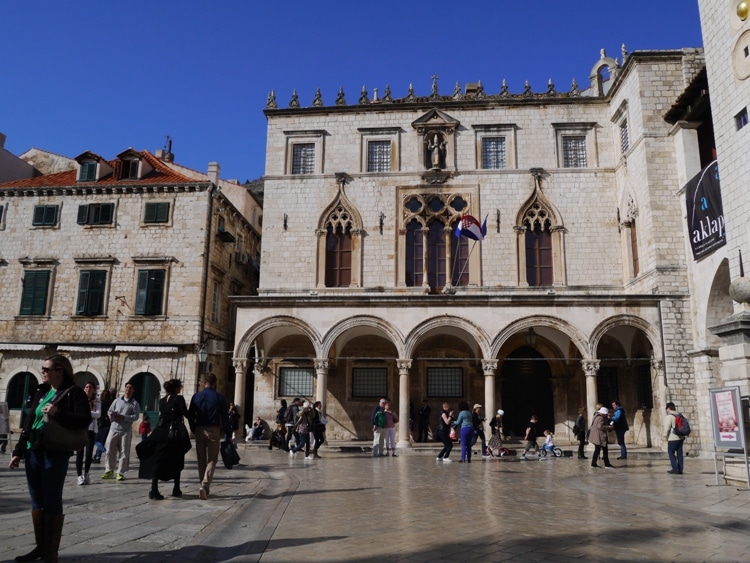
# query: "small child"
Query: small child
144,428
549,441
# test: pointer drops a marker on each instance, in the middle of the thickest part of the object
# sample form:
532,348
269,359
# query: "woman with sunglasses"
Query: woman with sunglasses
60,399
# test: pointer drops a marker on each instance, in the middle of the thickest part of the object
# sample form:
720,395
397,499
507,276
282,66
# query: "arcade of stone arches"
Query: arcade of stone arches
537,365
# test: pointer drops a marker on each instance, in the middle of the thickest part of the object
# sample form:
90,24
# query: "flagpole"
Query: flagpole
473,246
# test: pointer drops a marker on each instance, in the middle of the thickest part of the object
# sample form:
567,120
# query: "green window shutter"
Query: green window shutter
149,214
34,294
39,211
162,212
83,214
107,213
50,217
141,291
83,292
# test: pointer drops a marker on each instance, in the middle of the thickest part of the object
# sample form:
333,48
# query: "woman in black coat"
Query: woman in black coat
58,399
163,458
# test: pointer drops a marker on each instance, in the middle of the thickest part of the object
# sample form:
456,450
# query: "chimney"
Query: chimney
2,140
213,172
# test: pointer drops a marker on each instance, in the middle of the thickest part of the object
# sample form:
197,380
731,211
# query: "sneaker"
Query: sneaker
446,459
394,454
86,479
203,494
309,458
291,453
109,475
81,480
120,477
316,456
438,458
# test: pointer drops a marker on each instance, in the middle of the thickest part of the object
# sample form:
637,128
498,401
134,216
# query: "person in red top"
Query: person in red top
144,428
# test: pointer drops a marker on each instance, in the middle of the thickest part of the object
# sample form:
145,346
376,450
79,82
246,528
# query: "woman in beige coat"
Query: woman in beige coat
598,435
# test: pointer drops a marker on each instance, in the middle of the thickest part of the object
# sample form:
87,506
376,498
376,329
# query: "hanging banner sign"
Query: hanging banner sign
705,213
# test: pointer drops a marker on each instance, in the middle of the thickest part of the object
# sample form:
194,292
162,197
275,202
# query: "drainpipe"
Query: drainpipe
204,283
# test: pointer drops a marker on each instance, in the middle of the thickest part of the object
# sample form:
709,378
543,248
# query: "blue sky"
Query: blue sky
104,75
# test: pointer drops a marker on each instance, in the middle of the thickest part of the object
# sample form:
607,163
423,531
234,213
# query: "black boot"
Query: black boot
154,493
176,492
53,526
37,517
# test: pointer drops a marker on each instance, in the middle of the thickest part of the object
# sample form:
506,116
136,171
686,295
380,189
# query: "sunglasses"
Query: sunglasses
47,370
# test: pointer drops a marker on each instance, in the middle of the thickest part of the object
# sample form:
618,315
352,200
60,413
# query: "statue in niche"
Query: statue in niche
436,149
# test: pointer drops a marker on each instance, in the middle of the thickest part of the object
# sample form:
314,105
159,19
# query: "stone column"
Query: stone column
489,367
521,253
590,368
321,373
240,377
560,402
425,253
403,403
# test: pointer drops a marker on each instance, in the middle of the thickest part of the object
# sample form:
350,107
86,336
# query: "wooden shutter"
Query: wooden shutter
83,214
34,294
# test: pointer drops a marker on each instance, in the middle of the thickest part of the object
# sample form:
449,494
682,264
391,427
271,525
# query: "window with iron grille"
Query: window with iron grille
45,215
156,212
607,388
645,391
91,284
379,156
35,291
149,299
303,158
295,382
87,172
624,140
445,382
574,151
493,152
369,382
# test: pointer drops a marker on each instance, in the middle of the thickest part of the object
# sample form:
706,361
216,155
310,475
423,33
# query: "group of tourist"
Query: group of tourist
299,425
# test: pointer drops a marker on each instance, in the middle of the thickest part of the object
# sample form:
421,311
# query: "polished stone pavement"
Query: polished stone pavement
350,506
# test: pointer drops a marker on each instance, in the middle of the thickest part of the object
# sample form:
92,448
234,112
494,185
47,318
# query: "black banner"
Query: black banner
705,214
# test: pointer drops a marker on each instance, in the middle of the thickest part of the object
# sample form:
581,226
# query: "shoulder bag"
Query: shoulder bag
58,438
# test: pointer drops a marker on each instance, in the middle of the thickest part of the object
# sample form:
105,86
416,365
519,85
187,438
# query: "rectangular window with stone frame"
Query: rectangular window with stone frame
295,382
624,139
369,382
574,151
150,292
45,215
379,156
494,155
303,158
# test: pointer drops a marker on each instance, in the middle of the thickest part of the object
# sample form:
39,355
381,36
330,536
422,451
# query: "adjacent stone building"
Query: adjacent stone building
578,294
126,266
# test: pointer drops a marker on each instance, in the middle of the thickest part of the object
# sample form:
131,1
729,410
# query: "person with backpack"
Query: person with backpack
675,438
378,429
620,426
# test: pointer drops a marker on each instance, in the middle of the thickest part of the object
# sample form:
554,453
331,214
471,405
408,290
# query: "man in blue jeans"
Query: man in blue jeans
674,442
620,426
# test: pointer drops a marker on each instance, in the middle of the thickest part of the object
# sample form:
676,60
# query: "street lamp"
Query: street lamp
202,354
530,337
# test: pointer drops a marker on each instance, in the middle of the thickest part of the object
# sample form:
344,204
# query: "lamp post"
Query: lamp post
202,354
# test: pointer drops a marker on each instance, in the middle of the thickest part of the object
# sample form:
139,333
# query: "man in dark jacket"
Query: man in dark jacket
208,418
620,426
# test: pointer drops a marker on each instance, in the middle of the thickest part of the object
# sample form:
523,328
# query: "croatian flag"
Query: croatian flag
468,226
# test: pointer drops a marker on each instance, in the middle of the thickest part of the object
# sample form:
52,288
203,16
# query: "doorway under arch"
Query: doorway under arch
526,390
147,392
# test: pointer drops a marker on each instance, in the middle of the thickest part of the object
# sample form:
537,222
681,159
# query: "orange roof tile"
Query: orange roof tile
161,174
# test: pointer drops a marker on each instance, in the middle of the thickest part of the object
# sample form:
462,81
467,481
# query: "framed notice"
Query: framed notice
727,418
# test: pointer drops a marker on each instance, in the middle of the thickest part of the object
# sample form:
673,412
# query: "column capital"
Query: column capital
489,367
239,364
590,367
321,364
403,364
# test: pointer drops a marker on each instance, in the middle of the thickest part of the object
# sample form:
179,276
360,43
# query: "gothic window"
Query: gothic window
338,255
436,255
414,253
460,258
634,247
539,253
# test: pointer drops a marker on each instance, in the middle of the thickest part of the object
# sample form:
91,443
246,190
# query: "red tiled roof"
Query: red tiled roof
161,174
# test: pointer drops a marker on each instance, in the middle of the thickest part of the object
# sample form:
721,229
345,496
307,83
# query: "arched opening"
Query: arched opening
526,390
21,389
83,377
147,392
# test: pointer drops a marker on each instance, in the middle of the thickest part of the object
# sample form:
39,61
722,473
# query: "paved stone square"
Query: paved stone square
351,507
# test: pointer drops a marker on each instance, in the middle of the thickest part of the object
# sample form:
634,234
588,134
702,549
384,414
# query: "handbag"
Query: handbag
58,438
178,434
452,435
